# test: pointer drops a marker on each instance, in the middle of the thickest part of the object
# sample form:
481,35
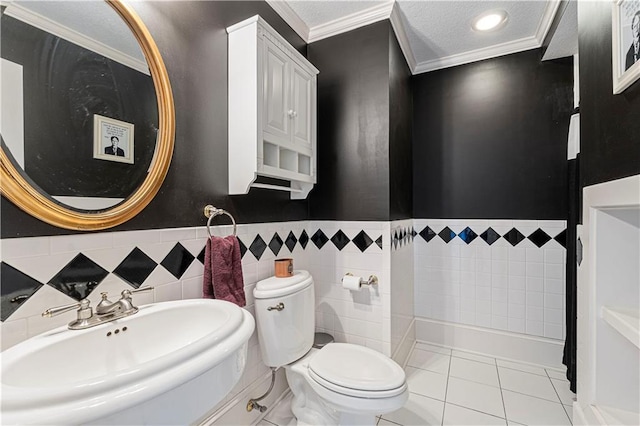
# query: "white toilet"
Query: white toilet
340,384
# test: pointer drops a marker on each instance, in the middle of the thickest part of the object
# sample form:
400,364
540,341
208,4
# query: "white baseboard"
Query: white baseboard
408,341
235,411
497,343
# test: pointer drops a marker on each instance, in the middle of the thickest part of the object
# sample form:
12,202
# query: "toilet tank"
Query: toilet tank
286,330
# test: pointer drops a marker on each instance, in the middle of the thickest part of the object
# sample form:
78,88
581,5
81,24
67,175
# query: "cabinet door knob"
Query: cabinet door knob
292,113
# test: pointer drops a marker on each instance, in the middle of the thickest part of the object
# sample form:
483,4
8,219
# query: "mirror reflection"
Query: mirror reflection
80,115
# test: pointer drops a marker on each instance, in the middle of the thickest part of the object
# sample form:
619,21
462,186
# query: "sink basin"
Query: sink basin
171,362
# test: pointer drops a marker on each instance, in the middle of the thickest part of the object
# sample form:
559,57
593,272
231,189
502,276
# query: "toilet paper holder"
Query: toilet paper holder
373,280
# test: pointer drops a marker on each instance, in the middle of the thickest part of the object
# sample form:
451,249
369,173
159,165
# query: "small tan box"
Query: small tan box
284,268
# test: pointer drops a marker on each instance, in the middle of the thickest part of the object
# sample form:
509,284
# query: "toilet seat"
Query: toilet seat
356,371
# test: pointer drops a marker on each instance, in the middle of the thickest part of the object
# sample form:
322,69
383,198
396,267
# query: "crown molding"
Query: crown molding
478,55
547,20
351,22
290,16
401,35
23,14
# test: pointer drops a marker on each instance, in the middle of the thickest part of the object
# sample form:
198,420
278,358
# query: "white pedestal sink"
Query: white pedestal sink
170,363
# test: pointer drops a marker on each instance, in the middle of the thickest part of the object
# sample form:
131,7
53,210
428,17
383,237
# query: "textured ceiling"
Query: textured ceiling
565,38
435,33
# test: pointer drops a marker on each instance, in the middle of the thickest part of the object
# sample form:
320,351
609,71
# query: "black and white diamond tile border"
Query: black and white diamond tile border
536,236
78,277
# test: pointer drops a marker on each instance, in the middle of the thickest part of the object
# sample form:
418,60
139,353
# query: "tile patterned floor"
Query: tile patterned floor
451,387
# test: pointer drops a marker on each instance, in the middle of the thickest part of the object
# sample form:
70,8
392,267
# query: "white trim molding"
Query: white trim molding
45,24
290,16
497,343
351,22
403,39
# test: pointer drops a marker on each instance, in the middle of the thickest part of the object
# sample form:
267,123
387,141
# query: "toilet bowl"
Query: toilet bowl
340,384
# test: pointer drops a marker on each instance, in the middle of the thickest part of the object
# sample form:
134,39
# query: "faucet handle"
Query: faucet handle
126,293
84,311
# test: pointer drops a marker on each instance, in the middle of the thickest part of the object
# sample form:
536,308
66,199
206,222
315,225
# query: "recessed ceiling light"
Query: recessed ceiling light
490,20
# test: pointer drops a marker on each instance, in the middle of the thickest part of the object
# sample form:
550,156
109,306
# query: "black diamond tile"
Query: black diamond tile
243,248
304,239
257,247
562,238
447,234
79,277
340,240
490,236
16,288
379,241
178,260
135,268
413,232
291,241
467,235
514,237
276,244
427,234
200,256
363,241
539,237
319,239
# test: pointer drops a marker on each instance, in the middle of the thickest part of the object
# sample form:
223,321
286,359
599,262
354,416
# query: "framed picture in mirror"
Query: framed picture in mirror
625,43
112,139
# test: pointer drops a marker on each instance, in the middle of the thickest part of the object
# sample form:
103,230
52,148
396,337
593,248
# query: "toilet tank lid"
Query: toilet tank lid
278,287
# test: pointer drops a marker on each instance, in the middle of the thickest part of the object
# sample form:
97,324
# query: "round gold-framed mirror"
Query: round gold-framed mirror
18,189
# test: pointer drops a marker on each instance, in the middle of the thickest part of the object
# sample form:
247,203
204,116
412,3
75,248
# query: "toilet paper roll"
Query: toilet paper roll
351,282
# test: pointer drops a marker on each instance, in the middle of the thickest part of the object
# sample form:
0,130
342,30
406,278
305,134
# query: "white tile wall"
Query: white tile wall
401,300
519,289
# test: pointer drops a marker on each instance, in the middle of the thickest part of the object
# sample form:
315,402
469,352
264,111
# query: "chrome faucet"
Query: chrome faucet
106,310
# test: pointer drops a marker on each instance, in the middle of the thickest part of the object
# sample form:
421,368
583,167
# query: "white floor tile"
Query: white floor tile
454,415
474,371
473,357
432,361
522,367
418,410
555,374
433,348
426,383
264,422
281,414
383,422
527,383
565,394
569,410
532,411
476,396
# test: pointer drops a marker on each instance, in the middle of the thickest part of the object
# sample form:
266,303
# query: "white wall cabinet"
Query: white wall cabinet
272,111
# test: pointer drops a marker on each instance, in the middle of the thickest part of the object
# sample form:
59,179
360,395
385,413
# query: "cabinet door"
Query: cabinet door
276,120
303,101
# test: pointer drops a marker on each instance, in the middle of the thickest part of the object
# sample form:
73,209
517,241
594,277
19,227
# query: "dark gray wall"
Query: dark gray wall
192,40
609,124
400,143
353,125
490,139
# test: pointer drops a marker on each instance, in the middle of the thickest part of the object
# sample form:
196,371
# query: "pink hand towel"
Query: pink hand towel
223,270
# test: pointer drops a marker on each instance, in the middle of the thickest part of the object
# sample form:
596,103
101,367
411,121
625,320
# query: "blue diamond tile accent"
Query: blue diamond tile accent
514,237
539,237
17,287
304,239
363,241
177,261
291,241
319,239
447,234
427,234
467,235
79,277
340,240
276,244
490,236
257,247
135,268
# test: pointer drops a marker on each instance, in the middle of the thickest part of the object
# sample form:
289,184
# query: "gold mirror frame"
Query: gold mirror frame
18,190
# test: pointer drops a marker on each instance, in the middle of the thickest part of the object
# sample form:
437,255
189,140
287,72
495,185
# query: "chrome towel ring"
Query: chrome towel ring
211,212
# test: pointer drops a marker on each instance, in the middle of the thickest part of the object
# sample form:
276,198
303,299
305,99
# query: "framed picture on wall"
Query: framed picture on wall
112,139
626,43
